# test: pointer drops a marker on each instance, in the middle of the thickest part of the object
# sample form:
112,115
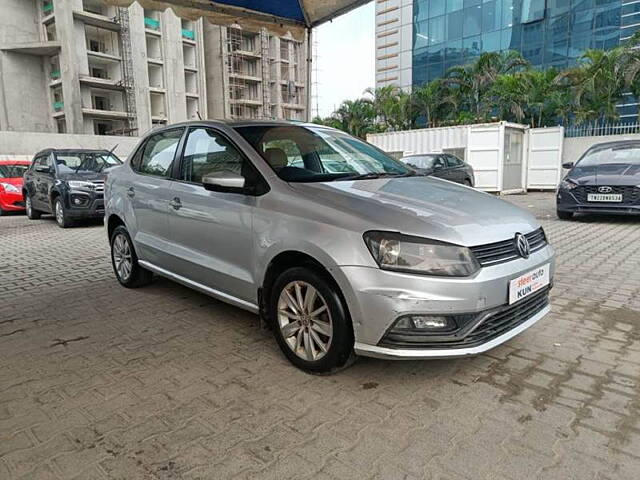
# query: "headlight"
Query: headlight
565,185
10,188
402,253
80,184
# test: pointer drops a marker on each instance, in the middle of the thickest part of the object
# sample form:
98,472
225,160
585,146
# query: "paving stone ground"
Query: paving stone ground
100,382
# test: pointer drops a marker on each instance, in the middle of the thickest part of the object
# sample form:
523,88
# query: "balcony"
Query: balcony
96,20
151,23
188,35
97,82
35,48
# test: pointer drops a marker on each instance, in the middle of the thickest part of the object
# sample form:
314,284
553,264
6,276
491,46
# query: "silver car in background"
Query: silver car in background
341,249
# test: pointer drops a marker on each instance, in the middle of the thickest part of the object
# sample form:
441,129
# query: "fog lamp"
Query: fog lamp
425,322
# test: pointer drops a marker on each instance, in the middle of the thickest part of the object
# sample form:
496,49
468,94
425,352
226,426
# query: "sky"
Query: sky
345,58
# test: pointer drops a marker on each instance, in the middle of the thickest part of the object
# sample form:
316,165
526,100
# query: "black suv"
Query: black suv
67,183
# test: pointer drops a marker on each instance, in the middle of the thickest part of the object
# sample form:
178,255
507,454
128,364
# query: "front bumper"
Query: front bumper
377,298
91,206
567,202
11,202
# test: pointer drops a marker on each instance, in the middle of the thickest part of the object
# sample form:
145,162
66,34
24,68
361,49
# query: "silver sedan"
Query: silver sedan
340,249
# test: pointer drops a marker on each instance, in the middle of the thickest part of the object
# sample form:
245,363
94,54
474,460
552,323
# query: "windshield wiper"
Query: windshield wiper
374,175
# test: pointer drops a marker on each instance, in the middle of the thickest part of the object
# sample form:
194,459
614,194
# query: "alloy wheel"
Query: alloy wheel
59,213
122,257
304,320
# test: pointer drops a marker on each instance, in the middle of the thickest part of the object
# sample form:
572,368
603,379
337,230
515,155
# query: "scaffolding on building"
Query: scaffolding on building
127,82
266,73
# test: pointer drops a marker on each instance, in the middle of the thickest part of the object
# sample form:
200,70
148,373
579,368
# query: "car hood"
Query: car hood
617,174
423,206
86,176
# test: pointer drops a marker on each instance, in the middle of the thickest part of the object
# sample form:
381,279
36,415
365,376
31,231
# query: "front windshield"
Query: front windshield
86,162
12,171
627,155
310,154
419,161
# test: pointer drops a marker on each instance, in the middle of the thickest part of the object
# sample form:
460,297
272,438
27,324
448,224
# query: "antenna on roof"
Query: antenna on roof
114,148
198,113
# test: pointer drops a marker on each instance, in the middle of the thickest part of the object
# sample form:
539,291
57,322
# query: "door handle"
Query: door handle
131,192
175,203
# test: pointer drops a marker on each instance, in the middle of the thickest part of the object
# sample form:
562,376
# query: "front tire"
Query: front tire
32,214
468,183
60,213
310,322
125,261
564,215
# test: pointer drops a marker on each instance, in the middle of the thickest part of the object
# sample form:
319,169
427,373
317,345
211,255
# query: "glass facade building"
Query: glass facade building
548,33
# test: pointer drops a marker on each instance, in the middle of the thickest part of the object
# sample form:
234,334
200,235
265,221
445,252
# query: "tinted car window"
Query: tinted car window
423,161
159,152
624,154
207,152
453,161
43,161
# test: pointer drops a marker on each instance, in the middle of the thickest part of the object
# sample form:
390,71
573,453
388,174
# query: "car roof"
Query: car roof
15,162
617,143
72,150
238,123
421,154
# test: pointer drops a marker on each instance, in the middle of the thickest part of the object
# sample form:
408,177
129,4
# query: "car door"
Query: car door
455,168
440,168
149,194
212,232
44,176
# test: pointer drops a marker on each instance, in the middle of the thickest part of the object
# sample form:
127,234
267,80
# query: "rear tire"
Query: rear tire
468,183
32,214
310,322
564,215
125,261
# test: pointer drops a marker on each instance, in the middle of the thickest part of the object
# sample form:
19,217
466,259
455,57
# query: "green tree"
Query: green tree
472,83
429,99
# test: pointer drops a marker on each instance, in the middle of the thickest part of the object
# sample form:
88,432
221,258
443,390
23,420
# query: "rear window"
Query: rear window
13,171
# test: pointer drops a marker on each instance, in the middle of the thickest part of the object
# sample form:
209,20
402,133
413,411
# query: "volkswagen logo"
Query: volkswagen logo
605,189
522,245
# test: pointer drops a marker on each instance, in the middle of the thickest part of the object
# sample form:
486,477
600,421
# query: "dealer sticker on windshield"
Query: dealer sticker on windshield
529,283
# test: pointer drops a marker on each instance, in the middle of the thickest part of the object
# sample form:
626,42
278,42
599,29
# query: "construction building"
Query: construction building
84,67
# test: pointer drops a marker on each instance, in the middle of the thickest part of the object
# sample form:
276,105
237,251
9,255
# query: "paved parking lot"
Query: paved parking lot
97,381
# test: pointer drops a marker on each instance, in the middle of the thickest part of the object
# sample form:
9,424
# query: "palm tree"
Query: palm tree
598,83
509,94
428,100
472,82
356,117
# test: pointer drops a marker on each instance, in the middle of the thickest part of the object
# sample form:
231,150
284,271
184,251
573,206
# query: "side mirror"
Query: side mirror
438,166
567,165
43,169
227,182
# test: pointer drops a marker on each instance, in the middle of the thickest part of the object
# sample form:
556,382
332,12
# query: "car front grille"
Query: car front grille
499,322
505,251
98,186
630,194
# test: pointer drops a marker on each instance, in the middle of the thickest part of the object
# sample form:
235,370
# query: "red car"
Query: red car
11,172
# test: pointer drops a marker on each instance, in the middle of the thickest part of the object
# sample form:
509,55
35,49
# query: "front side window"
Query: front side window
85,162
43,161
316,154
159,152
209,153
453,161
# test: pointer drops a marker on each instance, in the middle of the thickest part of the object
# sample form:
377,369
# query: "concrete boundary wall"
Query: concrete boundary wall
24,145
